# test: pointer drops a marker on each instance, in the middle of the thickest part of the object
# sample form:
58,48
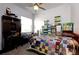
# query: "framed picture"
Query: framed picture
67,27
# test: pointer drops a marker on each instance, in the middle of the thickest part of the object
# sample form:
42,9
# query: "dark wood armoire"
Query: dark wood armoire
11,32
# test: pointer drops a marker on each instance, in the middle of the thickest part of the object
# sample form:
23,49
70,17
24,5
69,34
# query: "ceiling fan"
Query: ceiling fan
37,6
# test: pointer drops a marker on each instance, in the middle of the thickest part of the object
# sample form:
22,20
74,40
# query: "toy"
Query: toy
32,46
46,47
43,50
46,51
37,48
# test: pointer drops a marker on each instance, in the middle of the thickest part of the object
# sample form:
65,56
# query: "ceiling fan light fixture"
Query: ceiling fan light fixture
36,7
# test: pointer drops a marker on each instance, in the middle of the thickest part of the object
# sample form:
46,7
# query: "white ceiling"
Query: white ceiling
29,6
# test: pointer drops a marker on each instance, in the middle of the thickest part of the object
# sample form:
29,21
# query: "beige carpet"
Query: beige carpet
21,50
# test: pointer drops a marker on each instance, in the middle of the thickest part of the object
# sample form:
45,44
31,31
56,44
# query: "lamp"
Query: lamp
35,7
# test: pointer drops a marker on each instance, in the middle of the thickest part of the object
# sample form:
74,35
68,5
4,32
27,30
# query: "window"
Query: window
26,24
38,25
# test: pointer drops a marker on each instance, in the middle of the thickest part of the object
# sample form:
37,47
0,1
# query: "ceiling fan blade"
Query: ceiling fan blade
42,8
40,3
35,4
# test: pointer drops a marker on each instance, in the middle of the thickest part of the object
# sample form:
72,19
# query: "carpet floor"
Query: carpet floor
21,50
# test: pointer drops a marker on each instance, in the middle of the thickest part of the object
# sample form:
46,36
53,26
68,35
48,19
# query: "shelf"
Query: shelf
10,18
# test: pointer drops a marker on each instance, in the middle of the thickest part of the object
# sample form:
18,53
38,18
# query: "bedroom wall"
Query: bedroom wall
63,10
